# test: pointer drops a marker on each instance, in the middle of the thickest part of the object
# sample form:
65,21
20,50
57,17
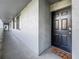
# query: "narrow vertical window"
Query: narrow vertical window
18,22
13,23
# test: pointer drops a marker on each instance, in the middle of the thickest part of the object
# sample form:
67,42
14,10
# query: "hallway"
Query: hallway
26,28
13,48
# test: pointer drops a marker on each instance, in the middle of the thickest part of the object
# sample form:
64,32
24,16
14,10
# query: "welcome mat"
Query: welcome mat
63,54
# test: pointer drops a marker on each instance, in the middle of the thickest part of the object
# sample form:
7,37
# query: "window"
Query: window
64,23
57,24
17,22
13,23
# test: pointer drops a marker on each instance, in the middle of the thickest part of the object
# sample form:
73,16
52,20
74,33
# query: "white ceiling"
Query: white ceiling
9,8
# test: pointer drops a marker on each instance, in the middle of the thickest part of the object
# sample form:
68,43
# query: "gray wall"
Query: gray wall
1,33
28,33
44,26
1,36
35,26
75,29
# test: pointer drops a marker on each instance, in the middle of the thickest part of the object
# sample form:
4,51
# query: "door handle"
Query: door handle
70,28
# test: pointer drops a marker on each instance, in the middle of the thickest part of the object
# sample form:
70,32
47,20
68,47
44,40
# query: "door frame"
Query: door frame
52,22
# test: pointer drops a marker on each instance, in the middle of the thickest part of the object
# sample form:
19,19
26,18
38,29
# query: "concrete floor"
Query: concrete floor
15,49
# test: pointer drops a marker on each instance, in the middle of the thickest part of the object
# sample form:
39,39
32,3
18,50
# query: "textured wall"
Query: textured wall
28,32
75,29
35,26
1,36
29,25
44,26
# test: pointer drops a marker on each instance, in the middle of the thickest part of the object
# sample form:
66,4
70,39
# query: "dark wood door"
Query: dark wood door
62,29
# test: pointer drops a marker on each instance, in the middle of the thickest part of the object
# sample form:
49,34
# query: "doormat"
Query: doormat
63,54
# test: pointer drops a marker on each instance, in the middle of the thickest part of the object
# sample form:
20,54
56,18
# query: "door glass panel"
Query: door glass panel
64,24
57,24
